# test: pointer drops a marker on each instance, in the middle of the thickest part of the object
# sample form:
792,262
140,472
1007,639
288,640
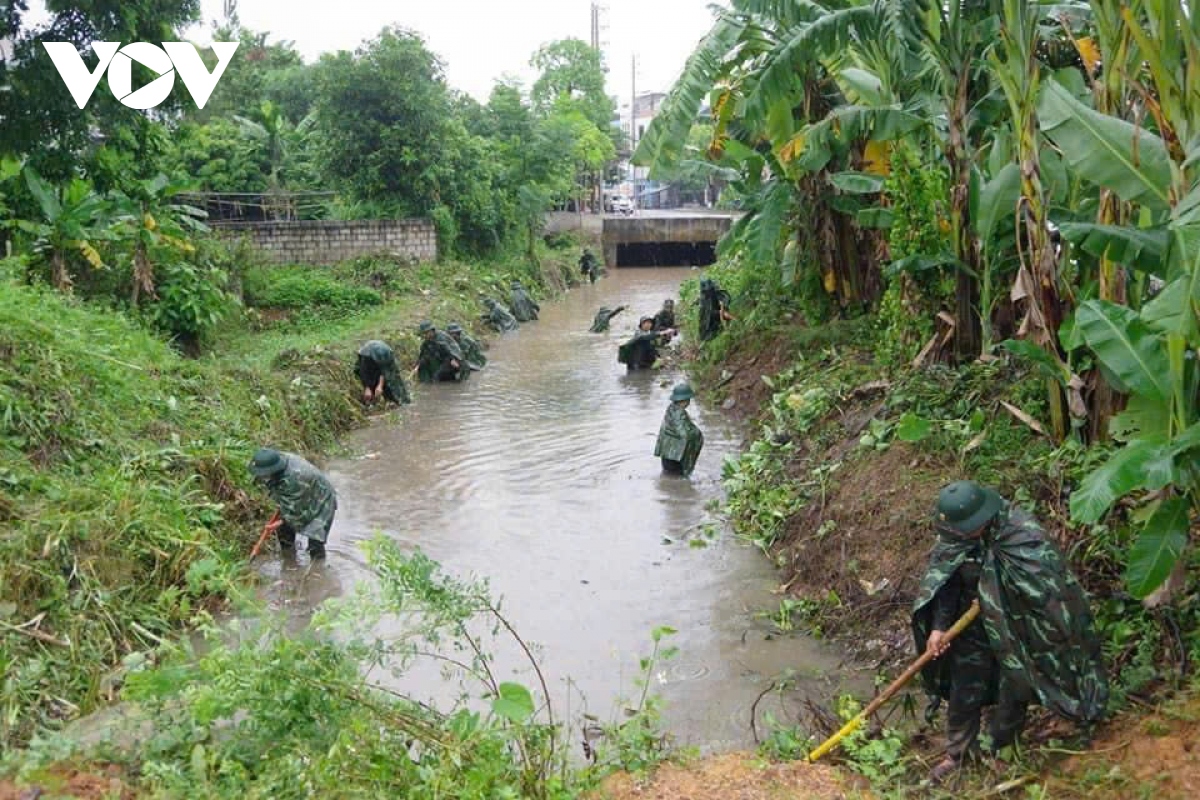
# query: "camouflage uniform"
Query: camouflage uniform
434,360
665,318
679,440
375,358
603,317
589,266
469,346
307,502
641,351
713,299
499,317
1034,639
523,307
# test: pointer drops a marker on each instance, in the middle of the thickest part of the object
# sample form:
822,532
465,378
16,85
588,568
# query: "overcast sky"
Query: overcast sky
481,40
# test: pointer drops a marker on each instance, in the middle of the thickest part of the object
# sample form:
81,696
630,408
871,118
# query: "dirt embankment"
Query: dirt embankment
70,783
736,776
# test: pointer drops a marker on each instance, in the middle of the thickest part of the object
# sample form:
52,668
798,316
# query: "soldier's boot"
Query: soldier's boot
286,536
316,549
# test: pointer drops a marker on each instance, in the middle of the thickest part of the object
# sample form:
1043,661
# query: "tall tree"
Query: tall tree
37,113
572,69
383,113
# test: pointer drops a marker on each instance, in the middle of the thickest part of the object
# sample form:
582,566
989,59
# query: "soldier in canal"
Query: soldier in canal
589,266
1034,639
499,317
306,499
665,318
470,347
714,309
641,351
603,317
376,370
440,358
679,440
523,307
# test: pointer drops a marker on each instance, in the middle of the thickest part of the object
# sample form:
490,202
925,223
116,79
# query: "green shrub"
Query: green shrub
192,300
299,288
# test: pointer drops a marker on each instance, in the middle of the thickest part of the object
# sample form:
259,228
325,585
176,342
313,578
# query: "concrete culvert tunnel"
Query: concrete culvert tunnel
663,239
666,254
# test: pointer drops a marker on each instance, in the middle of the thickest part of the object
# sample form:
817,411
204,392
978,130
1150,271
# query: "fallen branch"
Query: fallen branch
1033,424
35,634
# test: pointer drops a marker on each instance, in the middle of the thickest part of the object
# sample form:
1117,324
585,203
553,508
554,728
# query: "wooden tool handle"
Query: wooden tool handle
908,674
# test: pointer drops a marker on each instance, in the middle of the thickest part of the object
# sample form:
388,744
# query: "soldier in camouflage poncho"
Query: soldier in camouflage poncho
679,440
589,266
306,499
471,348
714,309
499,317
641,351
1034,639
440,358
665,318
523,307
376,370
603,317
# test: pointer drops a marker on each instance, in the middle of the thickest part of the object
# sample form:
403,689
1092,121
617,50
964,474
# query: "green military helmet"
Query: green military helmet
267,462
644,320
516,284
425,327
681,392
454,327
489,302
965,507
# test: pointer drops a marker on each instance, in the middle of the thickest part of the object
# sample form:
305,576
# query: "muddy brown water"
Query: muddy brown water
538,474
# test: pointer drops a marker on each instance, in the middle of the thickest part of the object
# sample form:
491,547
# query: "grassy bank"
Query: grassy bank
848,451
124,496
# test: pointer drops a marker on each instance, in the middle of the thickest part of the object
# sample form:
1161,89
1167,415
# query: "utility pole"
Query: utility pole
633,135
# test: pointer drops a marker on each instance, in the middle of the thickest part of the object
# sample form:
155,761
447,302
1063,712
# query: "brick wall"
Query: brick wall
329,241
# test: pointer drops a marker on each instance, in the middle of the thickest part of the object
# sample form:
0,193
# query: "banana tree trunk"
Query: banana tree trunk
143,274
59,273
966,243
1107,401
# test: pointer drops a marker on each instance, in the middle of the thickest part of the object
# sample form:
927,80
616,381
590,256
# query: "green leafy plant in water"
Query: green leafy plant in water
276,714
638,743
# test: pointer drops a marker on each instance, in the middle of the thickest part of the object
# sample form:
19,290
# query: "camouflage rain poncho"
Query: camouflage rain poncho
1035,614
641,351
472,350
679,439
306,498
499,318
375,358
712,300
665,318
434,360
603,317
523,307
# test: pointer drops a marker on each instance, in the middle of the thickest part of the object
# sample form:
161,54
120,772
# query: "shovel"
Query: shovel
896,686
271,525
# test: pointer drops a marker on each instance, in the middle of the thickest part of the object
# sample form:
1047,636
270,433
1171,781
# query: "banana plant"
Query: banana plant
73,217
1151,353
1017,70
153,221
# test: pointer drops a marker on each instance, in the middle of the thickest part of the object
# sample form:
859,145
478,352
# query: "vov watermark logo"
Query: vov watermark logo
172,57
